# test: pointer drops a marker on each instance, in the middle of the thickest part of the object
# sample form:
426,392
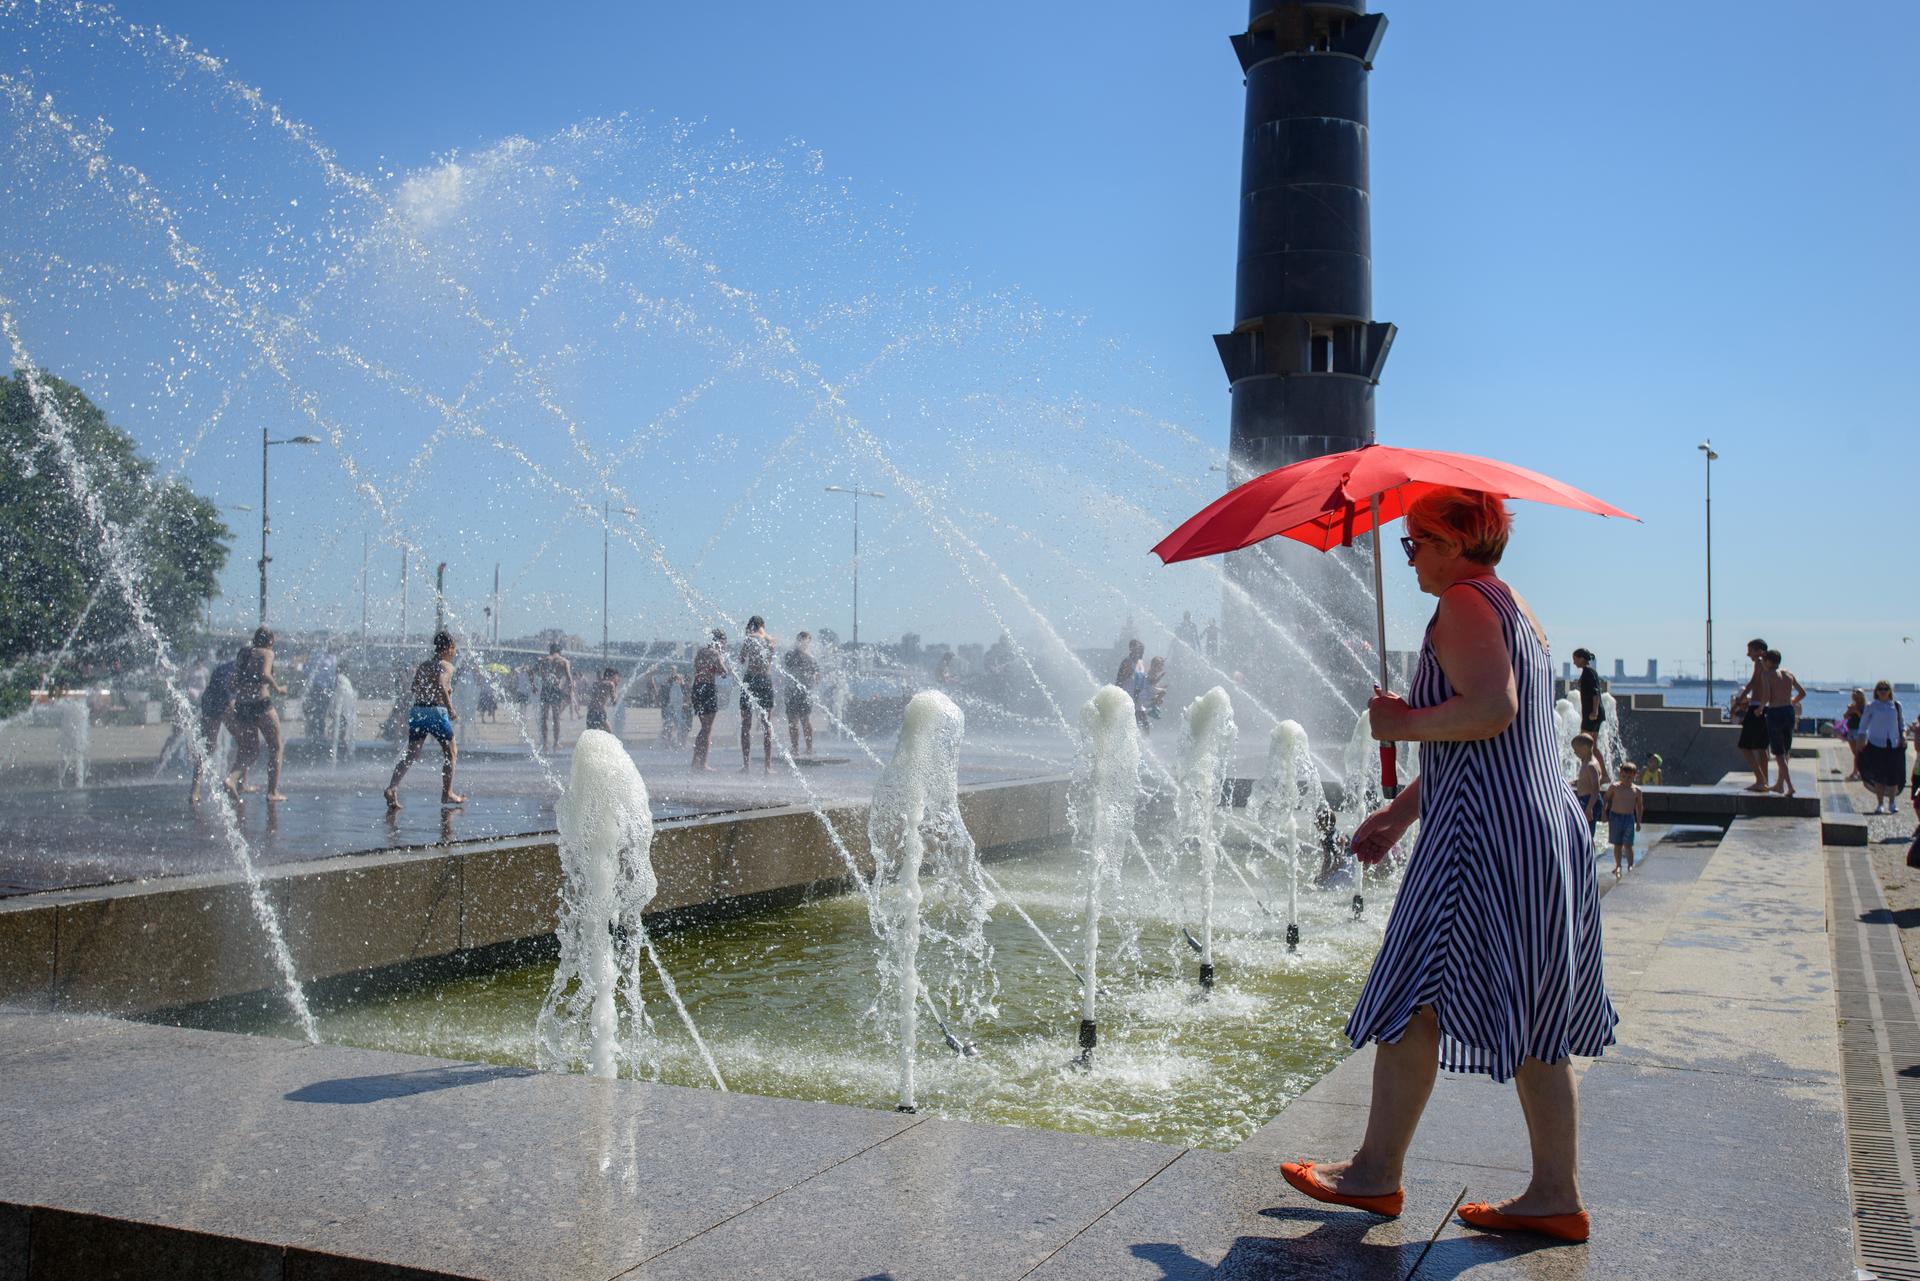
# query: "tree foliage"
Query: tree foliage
59,595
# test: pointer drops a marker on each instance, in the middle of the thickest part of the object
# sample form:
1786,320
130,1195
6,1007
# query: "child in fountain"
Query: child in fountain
1589,780
606,693
1626,813
431,714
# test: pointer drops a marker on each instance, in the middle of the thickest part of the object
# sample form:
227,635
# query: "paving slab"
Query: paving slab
944,1201
1758,1038
465,1167
1221,1216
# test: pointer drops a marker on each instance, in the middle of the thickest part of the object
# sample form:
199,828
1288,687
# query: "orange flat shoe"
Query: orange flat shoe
1566,1227
1300,1174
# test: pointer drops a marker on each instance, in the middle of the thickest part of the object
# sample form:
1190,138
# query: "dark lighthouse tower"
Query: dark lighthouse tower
1305,351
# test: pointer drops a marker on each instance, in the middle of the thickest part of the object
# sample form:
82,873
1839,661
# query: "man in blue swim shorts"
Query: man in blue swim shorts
431,715
1783,693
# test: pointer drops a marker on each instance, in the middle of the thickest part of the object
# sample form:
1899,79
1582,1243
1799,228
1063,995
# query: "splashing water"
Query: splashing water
1287,803
594,1016
914,826
1199,783
1106,787
1566,723
1608,745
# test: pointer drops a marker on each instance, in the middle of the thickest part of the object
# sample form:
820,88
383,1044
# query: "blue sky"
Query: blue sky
1603,236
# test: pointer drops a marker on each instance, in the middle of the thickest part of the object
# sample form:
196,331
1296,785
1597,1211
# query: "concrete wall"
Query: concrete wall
191,939
1694,750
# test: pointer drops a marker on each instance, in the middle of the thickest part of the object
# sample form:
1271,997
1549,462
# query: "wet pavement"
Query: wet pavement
134,830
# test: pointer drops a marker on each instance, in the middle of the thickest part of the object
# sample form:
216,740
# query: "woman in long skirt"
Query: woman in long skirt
1491,960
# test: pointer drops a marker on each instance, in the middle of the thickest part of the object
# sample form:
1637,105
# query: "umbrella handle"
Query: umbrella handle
1389,777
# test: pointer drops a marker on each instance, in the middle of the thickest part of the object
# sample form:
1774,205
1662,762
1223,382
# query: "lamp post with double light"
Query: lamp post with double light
265,528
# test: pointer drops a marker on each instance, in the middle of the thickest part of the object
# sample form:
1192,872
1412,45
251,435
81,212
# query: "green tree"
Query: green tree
58,593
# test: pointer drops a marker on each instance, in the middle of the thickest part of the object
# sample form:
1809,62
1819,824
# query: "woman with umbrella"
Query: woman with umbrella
1491,961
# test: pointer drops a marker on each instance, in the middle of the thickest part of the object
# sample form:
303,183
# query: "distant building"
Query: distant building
1566,671
1653,671
1619,669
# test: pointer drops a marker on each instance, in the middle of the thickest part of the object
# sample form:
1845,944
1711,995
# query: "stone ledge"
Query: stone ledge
136,947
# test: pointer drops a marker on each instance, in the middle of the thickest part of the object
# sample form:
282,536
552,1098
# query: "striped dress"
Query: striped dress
1497,923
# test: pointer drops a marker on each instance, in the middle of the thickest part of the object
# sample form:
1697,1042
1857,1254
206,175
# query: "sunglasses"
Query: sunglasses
1409,546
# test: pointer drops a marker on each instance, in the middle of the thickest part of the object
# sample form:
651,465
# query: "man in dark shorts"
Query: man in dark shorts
431,714
1592,710
1750,705
1784,695
709,664
216,707
756,692
554,677
803,671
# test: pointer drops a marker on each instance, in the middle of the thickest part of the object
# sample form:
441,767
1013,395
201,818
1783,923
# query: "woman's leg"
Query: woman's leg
1403,1074
276,751
1551,1102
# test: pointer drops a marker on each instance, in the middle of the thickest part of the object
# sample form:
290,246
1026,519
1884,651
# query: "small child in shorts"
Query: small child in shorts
1626,811
1588,781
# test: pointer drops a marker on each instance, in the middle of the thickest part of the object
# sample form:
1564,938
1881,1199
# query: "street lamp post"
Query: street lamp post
1706,448
265,529
858,494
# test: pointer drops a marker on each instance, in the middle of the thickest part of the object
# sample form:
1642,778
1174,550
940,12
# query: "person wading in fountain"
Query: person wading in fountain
756,692
1491,961
802,669
606,694
216,710
254,717
554,674
432,713
709,664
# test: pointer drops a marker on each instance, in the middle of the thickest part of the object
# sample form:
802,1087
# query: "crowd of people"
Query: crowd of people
237,695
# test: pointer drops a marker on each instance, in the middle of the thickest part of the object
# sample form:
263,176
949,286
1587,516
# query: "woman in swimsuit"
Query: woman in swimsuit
254,717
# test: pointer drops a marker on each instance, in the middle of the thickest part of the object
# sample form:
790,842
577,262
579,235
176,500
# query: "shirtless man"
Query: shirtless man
1751,707
756,692
432,713
554,675
1783,694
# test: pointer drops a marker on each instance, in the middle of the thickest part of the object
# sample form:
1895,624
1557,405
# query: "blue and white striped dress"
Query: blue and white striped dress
1497,923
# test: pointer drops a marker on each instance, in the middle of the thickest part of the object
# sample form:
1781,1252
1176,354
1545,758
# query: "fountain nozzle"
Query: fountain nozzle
1293,937
908,1108
1206,975
1089,1034
1359,905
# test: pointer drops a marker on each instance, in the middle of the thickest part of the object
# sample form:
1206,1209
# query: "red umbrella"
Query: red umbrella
1327,502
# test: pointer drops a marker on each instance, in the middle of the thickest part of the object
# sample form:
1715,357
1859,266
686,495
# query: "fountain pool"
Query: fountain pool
781,999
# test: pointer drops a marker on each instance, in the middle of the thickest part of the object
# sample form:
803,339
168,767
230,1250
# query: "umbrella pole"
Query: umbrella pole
1389,781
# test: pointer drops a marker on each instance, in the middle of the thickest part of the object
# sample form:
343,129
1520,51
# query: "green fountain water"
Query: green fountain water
780,998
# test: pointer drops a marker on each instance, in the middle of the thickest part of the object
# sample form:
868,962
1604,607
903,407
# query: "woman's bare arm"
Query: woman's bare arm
1472,651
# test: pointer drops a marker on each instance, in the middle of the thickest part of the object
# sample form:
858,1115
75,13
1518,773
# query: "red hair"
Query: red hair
1477,523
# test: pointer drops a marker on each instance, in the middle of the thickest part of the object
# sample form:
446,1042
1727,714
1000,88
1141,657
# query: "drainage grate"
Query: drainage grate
1879,1060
